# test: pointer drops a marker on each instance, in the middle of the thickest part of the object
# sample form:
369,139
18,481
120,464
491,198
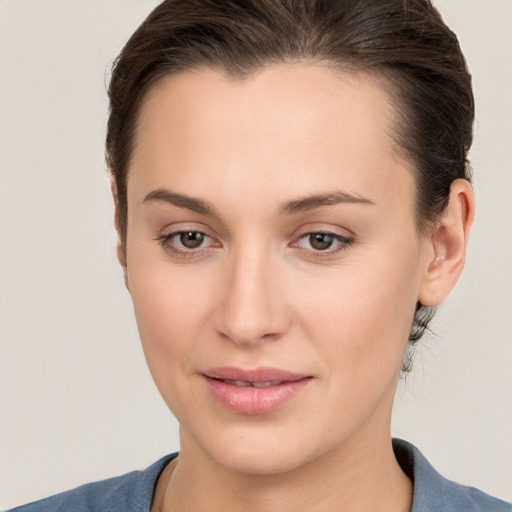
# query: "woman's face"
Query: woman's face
273,261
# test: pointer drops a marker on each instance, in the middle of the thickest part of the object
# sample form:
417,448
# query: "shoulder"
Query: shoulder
130,492
434,492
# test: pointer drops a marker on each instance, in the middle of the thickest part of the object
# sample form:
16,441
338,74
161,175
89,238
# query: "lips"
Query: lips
256,391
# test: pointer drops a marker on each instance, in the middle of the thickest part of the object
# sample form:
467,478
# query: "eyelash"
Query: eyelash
344,243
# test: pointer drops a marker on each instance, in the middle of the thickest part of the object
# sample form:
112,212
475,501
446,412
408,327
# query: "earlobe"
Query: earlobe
447,247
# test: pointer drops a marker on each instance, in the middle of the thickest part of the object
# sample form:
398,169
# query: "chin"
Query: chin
260,460
258,449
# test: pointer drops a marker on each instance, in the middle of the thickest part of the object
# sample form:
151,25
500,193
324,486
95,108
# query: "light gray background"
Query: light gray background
76,400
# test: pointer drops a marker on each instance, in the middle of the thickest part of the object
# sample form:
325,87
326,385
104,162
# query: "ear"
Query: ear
120,248
446,249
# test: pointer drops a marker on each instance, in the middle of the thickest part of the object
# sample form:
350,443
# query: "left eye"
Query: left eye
322,241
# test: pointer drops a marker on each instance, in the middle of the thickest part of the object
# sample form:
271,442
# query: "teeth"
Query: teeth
239,383
265,384
243,384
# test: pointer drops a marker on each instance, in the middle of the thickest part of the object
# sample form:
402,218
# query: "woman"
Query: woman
292,201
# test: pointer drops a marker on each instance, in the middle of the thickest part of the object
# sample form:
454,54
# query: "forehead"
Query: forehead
293,125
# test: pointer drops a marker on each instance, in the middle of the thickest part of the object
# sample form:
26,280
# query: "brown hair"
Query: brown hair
405,42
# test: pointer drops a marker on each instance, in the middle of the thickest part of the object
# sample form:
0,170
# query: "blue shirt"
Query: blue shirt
133,492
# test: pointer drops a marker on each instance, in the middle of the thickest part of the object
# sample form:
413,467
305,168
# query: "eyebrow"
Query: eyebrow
318,200
181,201
295,206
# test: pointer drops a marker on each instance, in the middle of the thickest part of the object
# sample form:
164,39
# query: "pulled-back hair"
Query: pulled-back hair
404,42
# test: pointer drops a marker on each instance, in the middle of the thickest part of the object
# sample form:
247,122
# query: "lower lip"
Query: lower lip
254,401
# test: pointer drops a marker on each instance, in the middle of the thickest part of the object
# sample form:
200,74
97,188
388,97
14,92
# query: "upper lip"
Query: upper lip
263,374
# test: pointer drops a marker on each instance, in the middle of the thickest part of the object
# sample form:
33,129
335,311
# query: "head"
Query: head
405,45
237,114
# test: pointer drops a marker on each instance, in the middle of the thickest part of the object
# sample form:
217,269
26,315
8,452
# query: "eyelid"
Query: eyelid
336,231
323,227
185,227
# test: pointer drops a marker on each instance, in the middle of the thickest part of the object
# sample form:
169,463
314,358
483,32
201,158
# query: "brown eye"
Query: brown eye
320,241
191,239
323,243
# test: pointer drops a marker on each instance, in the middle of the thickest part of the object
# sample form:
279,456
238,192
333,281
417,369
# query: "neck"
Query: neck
358,476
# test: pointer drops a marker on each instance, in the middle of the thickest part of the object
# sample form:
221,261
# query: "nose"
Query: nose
252,306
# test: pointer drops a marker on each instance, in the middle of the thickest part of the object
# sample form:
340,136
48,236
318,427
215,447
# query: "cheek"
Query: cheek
361,316
170,307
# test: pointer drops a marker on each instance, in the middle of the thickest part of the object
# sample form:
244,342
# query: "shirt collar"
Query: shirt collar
431,490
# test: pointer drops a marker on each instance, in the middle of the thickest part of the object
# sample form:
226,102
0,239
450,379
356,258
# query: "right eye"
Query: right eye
187,242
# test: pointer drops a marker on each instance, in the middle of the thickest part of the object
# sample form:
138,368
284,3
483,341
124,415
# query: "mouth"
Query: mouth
256,391
244,384
264,375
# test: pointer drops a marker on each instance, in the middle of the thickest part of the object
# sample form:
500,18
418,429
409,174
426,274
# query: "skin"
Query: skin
257,293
